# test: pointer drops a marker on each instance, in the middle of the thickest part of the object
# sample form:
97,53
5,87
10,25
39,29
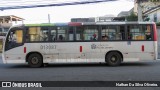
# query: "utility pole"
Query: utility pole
139,10
49,19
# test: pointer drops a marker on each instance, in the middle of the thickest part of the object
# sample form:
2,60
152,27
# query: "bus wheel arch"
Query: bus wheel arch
34,59
113,58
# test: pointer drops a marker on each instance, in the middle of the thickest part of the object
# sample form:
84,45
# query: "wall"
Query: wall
157,13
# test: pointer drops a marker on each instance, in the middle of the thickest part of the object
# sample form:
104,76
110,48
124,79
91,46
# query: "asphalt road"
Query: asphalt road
137,71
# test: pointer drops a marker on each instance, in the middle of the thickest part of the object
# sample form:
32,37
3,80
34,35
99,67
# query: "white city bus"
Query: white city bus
110,42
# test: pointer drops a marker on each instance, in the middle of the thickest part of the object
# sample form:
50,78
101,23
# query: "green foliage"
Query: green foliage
158,23
132,17
146,18
138,1
155,0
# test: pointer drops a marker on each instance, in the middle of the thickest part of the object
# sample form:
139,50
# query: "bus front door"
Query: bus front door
13,51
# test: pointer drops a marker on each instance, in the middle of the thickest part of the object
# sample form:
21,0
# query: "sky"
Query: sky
65,13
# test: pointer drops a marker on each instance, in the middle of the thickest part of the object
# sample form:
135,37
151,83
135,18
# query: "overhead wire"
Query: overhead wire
55,4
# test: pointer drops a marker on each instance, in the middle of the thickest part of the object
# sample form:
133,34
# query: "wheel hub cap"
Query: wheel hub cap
34,60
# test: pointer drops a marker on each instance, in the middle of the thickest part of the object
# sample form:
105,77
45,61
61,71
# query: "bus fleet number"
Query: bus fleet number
48,47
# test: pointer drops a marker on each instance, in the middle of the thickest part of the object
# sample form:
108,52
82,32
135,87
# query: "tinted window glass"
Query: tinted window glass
53,34
79,33
38,33
113,33
71,33
90,33
61,33
139,32
14,38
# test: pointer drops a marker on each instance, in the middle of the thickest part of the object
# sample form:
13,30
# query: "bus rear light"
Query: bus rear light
142,48
24,49
80,49
155,32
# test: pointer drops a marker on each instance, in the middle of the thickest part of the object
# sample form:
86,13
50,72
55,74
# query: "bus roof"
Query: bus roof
86,23
56,24
114,23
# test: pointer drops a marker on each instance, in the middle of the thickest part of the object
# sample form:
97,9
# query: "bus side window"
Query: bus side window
129,34
60,38
112,32
53,34
90,33
147,30
44,34
122,32
61,33
38,34
139,32
15,36
79,33
105,37
71,34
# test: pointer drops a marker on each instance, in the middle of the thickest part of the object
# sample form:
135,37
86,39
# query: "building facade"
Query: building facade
105,18
150,10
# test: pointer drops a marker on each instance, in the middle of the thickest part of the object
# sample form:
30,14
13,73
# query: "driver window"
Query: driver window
16,36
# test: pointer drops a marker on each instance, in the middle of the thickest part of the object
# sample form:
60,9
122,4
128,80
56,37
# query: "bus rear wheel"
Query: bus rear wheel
35,60
113,59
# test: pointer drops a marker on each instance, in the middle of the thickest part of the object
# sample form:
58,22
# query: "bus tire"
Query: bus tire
113,59
35,60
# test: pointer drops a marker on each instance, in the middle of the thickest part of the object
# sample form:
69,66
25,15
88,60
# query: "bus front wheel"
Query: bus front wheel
113,59
35,60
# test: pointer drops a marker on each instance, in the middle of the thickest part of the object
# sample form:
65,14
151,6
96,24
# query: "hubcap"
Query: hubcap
113,59
34,60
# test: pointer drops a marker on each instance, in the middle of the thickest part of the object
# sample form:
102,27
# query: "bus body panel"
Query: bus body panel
15,55
83,51
71,52
156,50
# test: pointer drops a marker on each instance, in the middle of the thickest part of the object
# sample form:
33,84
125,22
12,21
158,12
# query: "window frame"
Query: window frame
27,36
97,28
18,44
140,27
117,28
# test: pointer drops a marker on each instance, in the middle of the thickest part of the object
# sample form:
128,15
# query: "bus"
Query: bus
80,42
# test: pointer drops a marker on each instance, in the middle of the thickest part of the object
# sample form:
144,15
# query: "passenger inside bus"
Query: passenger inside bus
45,38
13,37
94,37
60,38
130,36
105,38
53,38
12,40
148,36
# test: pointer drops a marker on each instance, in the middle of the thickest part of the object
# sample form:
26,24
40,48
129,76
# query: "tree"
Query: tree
132,17
138,1
154,0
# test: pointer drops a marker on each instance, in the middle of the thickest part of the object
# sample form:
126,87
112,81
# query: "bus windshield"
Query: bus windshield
14,38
